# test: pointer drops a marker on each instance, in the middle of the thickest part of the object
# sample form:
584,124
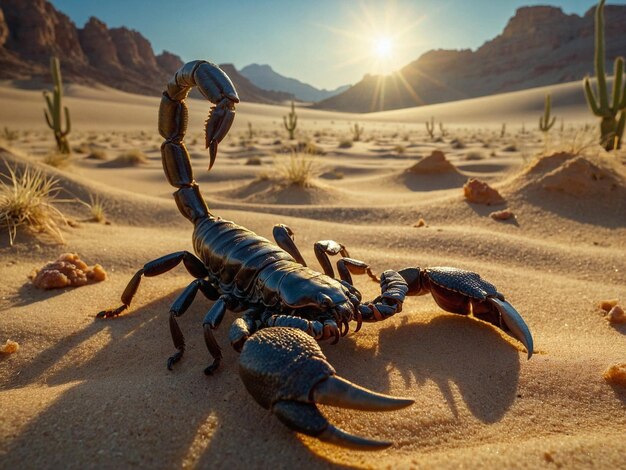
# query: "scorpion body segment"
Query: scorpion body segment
284,305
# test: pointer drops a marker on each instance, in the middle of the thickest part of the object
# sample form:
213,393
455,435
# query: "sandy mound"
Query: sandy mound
435,163
272,192
574,175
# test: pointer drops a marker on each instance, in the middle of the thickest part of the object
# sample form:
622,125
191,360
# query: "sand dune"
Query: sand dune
82,392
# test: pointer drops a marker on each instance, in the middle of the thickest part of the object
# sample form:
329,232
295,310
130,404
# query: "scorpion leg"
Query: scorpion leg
180,306
286,372
320,330
243,327
347,266
465,292
285,239
212,321
154,268
323,249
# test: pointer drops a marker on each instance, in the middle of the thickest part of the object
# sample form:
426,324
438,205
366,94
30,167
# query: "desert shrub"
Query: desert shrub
254,161
9,135
57,159
296,170
474,155
131,157
26,201
97,154
97,208
510,148
399,149
345,143
457,144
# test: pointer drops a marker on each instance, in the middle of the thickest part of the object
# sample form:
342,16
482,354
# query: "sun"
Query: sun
383,47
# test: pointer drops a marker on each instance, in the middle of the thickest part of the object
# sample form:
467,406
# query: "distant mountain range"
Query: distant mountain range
31,31
539,46
265,77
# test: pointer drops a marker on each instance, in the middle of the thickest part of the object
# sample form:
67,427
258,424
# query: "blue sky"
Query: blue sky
326,43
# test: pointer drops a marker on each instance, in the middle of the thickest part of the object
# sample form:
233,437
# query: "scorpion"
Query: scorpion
284,306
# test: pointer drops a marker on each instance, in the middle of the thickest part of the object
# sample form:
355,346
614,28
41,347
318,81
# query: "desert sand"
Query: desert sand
82,392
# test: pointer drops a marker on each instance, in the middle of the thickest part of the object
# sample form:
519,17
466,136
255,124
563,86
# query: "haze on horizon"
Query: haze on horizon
327,43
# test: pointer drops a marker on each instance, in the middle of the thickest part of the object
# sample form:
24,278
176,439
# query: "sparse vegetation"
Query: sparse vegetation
611,126
131,157
430,127
545,123
97,208
57,159
9,135
291,121
296,170
345,144
26,201
53,113
399,149
97,154
253,161
357,132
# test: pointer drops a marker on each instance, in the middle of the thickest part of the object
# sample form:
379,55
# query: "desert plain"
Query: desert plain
82,392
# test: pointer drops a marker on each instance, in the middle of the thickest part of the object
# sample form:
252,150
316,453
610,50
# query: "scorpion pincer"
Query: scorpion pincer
283,305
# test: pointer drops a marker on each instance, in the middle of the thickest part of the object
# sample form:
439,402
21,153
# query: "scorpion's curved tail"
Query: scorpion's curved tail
216,87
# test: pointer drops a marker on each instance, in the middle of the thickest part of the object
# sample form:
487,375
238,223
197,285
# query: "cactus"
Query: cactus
290,125
356,132
503,130
53,114
443,131
430,127
545,123
250,131
611,125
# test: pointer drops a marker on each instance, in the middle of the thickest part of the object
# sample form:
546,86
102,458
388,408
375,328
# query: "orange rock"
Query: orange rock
481,193
616,374
607,305
616,315
9,347
67,271
502,215
419,223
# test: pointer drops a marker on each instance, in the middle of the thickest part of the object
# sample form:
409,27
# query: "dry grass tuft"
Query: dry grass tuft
131,158
57,159
26,201
297,170
97,208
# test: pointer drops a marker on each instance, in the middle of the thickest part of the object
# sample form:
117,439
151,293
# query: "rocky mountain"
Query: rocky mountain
31,31
539,46
265,77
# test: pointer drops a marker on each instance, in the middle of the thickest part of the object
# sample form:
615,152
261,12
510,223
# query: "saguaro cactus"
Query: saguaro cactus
356,132
430,127
53,113
545,123
611,111
291,124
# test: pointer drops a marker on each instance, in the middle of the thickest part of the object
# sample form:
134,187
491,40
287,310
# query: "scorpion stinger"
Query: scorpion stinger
284,306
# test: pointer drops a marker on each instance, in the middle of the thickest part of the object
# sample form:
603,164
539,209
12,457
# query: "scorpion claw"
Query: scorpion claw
285,371
217,126
515,323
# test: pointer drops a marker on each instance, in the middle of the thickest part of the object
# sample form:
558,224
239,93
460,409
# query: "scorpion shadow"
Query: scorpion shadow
449,349
111,402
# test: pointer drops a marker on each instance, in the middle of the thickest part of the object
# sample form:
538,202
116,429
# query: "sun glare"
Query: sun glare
383,47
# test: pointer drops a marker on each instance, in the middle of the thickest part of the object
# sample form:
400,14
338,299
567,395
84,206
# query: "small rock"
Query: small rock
480,192
616,374
616,315
419,223
502,215
9,347
67,271
607,305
